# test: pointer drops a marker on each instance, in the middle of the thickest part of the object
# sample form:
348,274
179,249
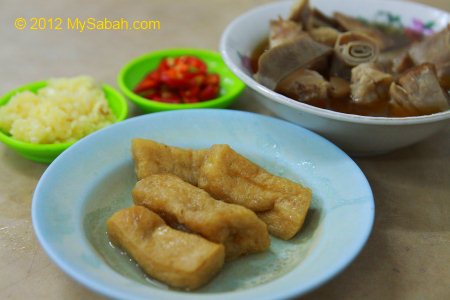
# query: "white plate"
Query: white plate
93,179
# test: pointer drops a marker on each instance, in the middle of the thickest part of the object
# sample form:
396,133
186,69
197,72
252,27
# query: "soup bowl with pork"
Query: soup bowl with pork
372,76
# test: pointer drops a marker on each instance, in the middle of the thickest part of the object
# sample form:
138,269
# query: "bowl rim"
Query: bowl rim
320,112
9,140
236,88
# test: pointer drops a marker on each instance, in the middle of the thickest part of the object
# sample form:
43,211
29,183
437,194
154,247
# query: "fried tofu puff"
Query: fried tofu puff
151,157
180,203
180,259
289,213
228,176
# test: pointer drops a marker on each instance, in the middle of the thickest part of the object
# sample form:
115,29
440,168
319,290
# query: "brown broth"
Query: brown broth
257,52
345,104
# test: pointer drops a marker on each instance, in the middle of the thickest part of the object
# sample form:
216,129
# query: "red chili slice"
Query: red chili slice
150,81
213,79
209,92
183,79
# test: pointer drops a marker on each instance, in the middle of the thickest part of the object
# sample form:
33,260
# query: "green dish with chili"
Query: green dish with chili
137,69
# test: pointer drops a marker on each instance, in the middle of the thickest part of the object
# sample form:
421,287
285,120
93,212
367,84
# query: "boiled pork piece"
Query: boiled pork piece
304,85
350,50
352,24
301,12
282,31
325,35
280,61
402,62
310,17
319,19
435,49
369,84
395,61
339,88
418,93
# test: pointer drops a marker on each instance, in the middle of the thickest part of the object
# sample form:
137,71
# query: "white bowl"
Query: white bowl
357,135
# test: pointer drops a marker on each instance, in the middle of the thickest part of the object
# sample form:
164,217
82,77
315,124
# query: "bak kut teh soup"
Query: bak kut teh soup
347,65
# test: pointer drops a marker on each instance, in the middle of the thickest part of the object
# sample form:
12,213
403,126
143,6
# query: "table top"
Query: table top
407,255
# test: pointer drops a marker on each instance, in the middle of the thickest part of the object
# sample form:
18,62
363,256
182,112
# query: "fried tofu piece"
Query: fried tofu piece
180,203
289,213
151,158
228,176
180,259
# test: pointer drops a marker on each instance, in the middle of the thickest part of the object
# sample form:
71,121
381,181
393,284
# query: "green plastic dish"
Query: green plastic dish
46,153
133,72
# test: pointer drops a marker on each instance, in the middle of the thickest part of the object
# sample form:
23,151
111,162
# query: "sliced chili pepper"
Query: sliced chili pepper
195,62
212,79
209,92
169,96
190,95
149,82
183,79
154,97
